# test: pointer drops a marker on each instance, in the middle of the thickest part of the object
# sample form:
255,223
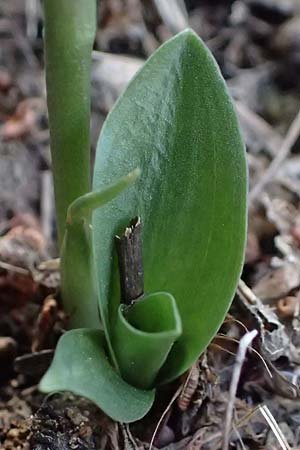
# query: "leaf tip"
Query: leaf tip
189,36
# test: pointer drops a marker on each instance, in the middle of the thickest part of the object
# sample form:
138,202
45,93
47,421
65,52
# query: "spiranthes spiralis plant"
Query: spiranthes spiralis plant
170,181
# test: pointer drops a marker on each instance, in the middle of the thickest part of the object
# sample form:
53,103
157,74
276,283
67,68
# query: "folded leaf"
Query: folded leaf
80,365
176,122
82,208
148,328
78,283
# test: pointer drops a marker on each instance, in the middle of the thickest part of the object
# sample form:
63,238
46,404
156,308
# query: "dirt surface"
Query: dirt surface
227,399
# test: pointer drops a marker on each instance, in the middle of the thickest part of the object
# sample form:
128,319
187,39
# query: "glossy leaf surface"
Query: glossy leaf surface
80,365
177,123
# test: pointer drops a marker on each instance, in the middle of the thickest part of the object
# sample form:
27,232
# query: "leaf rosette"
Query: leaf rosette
176,123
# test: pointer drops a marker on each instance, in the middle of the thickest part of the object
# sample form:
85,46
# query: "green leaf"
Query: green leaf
83,206
149,327
81,366
78,283
176,122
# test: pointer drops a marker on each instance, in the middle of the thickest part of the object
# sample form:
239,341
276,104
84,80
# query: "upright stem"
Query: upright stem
70,27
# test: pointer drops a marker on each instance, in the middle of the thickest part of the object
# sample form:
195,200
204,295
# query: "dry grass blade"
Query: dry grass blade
274,427
12,268
223,336
271,138
238,435
246,292
238,322
223,349
287,144
240,357
175,396
247,417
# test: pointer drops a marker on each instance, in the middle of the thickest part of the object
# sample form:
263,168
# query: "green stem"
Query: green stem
69,35
78,283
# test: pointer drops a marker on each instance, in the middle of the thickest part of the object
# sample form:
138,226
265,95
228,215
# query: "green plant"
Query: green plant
175,123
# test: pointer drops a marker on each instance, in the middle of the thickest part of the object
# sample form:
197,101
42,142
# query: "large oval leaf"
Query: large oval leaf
177,123
80,365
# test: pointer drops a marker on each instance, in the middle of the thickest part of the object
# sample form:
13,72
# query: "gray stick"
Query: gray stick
130,258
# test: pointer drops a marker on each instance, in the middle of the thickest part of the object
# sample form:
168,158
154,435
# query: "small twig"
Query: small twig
247,293
238,435
129,249
240,357
47,204
287,144
12,268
